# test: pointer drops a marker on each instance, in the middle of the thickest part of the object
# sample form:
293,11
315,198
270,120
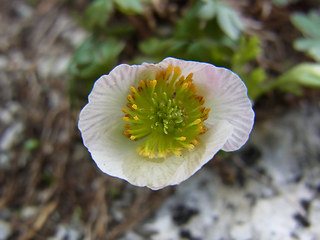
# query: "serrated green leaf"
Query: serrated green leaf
130,6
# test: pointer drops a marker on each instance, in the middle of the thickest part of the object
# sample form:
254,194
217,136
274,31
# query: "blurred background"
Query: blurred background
51,53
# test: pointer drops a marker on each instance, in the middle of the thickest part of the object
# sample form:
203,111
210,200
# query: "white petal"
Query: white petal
107,98
186,66
155,174
226,95
100,121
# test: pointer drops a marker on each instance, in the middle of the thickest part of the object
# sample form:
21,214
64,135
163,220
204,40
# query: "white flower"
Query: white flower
152,127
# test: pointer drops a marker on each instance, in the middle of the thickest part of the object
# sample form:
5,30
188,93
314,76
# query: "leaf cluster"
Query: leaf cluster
207,30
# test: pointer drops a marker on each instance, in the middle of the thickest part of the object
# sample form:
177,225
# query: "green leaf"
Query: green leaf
188,27
248,49
130,6
208,10
200,50
255,82
97,14
304,74
93,56
229,21
310,45
161,48
31,144
307,24
155,47
91,60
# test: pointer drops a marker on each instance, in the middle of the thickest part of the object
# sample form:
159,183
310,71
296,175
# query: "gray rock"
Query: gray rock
5,230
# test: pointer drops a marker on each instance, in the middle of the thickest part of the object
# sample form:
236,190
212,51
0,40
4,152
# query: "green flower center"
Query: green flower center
165,114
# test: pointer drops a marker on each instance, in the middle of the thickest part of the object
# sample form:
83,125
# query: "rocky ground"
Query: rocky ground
51,189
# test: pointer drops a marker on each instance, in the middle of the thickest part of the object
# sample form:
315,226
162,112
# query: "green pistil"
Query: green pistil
165,114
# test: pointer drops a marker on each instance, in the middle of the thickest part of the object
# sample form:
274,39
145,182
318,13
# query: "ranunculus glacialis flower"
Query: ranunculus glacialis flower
155,125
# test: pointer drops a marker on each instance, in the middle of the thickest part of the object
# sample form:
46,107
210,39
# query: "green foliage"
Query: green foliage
256,83
31,144
97,15
207,31
227,18
281,3
304,74
92,59
309,26
248,49
130,6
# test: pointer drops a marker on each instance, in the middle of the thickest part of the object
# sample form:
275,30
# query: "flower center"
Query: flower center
165,114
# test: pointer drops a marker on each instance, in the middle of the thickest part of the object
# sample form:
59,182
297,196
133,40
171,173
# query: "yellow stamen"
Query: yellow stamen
134,106
142,83
133,90
127,133
136,118
130,98
189,77
154,82
168,71
177,71
189,146
185,85
126,119
197,121
132,138
181,138
177,153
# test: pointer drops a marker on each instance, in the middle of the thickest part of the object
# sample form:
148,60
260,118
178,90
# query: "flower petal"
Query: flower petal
107,98
226,95
186,66
100,121
157,174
